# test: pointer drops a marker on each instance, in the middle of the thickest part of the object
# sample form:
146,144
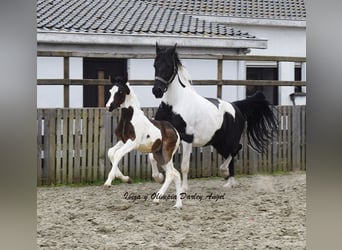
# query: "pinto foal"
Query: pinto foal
135,131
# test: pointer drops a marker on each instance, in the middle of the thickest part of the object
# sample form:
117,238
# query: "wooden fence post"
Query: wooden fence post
52,146
219,78
296,138
67,78
39,146
102,149
101,92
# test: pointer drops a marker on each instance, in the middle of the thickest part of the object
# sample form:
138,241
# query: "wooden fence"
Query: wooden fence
72,148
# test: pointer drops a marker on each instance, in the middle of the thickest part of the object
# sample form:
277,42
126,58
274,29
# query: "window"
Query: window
263,73
298,77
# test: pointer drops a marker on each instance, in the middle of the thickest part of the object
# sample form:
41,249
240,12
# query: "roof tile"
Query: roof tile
125,17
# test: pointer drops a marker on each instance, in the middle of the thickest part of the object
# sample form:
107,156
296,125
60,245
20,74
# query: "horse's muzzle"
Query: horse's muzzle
111,107
157,92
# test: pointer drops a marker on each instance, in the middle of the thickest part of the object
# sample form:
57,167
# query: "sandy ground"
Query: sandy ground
262,212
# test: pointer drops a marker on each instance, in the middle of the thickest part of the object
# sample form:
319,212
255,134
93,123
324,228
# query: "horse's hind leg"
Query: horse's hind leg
231,179
177,181
187,147
157,176
168,179
224,167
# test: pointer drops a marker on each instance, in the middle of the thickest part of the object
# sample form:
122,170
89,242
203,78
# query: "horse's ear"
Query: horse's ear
174,48
125,83
157,48
126,88
125,77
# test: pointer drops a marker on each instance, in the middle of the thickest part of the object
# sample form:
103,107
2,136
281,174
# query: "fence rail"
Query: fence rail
72,148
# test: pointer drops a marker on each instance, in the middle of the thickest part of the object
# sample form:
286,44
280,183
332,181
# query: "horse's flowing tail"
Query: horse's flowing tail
261,120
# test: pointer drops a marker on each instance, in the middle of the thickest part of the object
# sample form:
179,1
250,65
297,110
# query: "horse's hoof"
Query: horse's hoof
129,181
224,173
107,186
230,183
159,178
178,206
184,189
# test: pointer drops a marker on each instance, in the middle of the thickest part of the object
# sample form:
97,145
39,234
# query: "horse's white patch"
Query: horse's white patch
227,107
145,147
112,92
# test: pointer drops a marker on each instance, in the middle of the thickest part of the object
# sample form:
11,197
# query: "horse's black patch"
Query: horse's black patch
125,129
226,140
165,113
213,101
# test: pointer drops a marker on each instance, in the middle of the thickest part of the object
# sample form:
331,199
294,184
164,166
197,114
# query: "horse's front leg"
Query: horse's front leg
157,176
111,153
187,147
115,154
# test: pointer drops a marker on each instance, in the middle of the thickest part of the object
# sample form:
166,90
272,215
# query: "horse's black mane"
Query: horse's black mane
177,60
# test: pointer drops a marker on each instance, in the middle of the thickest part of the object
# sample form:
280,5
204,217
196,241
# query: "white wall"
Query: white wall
49,68
285,73
142,69
76,92
52,96
282,41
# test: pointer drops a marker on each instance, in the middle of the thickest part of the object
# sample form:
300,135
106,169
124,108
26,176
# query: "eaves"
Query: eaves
78,38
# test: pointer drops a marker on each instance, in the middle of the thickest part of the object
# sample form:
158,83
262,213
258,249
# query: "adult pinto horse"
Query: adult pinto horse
206,121
135,131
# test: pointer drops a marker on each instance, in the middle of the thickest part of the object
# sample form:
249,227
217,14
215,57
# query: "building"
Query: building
101,38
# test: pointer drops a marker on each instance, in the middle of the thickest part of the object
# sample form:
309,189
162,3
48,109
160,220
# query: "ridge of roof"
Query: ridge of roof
258,9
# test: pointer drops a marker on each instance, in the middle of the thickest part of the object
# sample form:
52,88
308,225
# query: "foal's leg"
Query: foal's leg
116,171
168,179
177,181
158,177
187,147
111,153
115,157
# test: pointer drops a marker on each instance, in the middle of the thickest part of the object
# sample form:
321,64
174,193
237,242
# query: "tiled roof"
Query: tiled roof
268,9
131,17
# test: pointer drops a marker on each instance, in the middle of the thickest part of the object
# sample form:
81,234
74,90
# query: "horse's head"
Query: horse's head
118,93
165,66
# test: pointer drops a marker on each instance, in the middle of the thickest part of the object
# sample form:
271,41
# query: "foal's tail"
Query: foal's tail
261,120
